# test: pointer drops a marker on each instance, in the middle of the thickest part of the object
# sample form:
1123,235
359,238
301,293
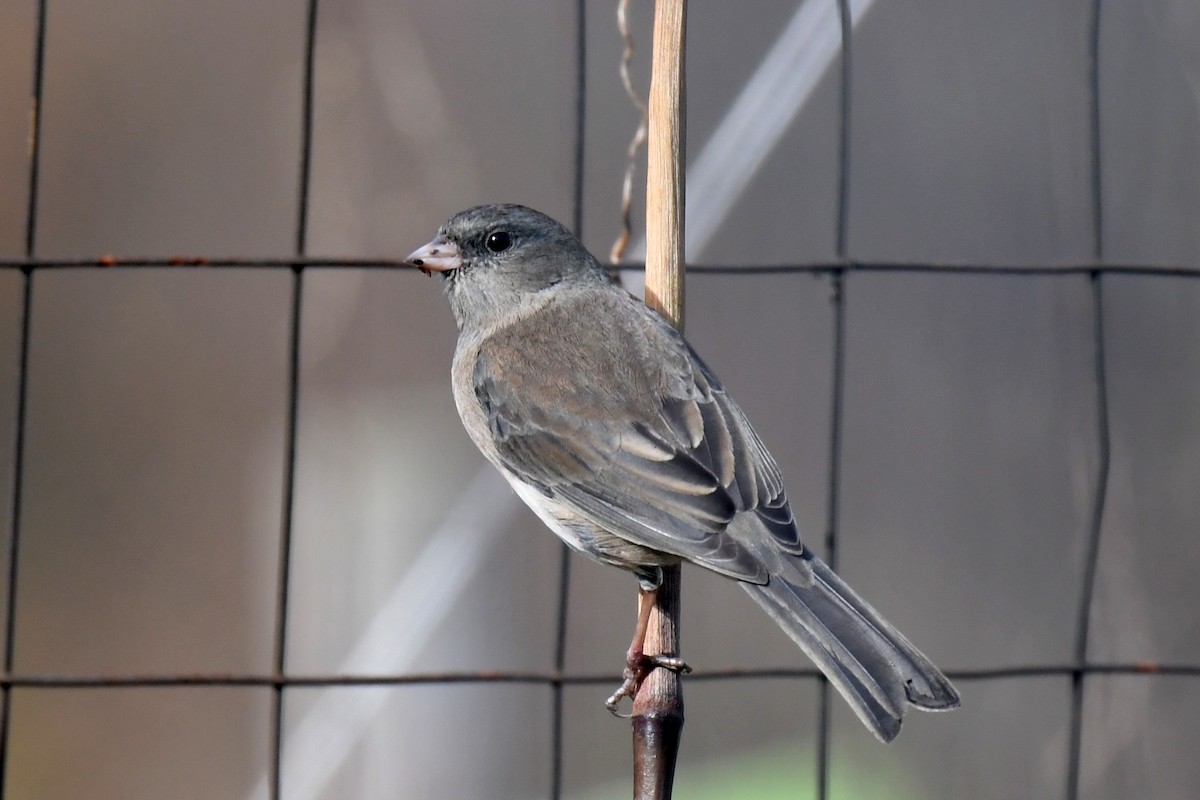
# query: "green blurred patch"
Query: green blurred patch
766,774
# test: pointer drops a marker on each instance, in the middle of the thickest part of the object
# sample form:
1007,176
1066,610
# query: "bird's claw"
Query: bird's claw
673,663
637,667
628,688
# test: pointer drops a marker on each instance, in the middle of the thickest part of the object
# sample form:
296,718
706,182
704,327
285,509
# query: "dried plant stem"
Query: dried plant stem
658,706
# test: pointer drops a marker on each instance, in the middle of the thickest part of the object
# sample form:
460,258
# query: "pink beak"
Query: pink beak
440,255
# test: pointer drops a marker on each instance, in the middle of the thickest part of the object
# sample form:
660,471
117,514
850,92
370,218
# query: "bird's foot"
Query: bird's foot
637,667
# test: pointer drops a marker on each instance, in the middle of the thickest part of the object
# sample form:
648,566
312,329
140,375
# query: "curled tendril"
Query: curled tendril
639,135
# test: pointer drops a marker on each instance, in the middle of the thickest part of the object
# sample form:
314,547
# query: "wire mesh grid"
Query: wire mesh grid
841,275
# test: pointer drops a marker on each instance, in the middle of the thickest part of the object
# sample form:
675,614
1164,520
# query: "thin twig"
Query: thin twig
639,136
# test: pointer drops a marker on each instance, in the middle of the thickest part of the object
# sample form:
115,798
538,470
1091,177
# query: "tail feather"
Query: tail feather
870,663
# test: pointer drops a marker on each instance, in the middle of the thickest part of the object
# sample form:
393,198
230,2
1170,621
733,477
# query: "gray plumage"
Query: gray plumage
620,438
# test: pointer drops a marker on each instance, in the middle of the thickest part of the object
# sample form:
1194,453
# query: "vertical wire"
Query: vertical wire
1092,555
580,113
832,509
35,129
15,528
283,572
825,709
843,210
18,479
564,564
556,687
1094,131
306,133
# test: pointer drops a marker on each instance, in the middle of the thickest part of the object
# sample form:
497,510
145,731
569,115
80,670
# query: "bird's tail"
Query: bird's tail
874,667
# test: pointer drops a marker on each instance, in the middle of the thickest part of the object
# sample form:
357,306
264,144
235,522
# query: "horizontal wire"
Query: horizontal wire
816,267
551,677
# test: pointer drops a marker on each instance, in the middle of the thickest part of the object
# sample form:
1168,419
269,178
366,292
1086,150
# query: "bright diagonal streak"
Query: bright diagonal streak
757,120
330,729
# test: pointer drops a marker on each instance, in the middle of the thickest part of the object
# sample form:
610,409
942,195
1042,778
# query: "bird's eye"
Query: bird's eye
498,241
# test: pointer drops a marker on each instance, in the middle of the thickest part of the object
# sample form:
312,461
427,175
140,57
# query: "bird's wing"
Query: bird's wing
629,428
757,481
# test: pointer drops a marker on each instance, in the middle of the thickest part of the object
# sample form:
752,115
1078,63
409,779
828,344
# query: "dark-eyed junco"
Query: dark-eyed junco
616,434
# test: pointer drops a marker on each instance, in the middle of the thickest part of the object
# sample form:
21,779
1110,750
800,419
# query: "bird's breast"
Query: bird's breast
472,414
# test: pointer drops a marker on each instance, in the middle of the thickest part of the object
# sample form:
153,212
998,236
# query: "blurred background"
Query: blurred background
153,477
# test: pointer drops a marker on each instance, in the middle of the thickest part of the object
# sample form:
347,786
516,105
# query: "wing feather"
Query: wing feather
669,472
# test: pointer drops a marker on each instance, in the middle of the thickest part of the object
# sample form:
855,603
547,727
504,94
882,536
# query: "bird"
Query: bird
610,427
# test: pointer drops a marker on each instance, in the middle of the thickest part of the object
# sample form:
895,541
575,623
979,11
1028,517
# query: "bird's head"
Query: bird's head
495,259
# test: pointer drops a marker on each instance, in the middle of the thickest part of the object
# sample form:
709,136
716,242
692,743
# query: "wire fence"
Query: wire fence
840,272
